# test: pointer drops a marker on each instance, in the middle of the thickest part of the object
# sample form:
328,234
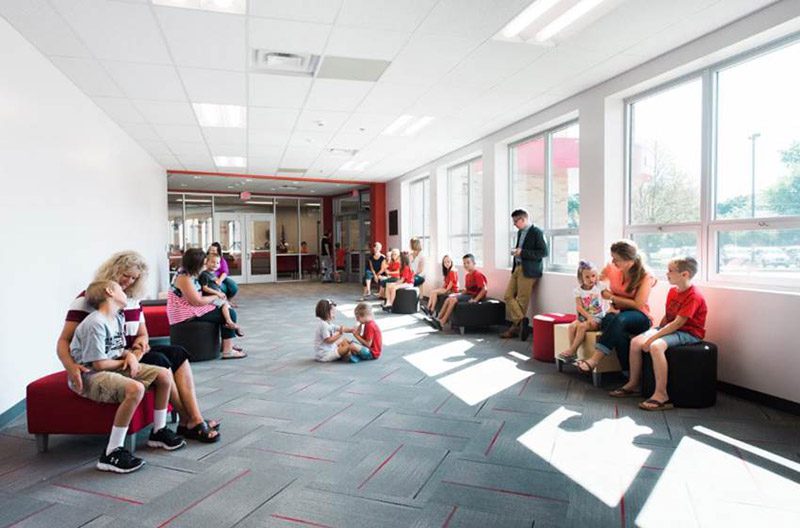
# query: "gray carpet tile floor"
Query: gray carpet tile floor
443,430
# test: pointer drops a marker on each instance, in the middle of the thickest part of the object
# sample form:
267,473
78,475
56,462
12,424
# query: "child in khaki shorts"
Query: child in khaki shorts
114,375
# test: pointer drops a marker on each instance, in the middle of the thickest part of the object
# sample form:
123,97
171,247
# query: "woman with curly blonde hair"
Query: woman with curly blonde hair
129,270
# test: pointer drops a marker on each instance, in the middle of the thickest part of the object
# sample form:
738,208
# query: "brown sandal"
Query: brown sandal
622,392
655,405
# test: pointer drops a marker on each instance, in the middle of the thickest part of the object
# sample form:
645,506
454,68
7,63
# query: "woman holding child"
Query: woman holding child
226,284
628,292
186,301
129,270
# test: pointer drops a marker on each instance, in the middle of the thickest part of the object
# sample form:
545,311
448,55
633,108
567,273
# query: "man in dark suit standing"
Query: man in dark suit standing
526,270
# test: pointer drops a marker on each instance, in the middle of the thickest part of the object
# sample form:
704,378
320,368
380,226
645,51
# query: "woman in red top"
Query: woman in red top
406,280
450,285
629,289
392,272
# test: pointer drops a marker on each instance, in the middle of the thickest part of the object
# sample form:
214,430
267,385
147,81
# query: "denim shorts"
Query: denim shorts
675,338
363,353
463,297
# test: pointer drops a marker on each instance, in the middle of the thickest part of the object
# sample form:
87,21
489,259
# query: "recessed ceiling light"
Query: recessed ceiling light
216,115
564,20
354,166
527,17
419,125
238,7
408,124
398,123
230,161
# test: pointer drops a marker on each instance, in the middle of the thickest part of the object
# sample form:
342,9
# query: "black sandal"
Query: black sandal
181,430
202,433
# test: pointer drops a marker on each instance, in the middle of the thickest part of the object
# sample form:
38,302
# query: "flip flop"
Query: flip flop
202,433
235,354
584,366
622,392
655,405
182,429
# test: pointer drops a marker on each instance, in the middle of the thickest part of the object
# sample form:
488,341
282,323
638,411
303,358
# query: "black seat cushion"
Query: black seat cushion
691,375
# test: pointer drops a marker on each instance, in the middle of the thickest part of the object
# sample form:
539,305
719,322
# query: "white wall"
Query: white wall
750,327
75,188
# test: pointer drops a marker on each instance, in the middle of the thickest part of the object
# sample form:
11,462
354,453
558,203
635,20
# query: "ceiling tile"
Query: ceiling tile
215,86
156,148
203,39
141,132
390,98
187,148
225,136
299,157
320,11
316,139
345,140
493,61
38,22
369,125
119,109
89,76
366,43
278,91
427,58
238,150
166,113
321,121
474,19
344,96
116,30
273,119
384,14
288,36
179,133
264,153
146,81
258,139
168,161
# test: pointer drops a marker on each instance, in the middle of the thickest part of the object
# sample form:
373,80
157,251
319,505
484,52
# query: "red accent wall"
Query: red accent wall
378,213
327,214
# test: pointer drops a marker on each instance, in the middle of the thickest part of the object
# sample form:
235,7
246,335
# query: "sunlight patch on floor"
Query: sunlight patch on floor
705,486
442,358
601,458
479,382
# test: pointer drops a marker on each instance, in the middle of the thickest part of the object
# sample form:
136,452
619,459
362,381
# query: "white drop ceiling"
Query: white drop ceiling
145,65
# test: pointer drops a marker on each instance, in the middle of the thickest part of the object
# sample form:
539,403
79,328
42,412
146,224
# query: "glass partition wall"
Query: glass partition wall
262,239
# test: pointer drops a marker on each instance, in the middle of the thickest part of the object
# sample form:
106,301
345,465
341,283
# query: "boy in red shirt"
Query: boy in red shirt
368,342
683,324
474,291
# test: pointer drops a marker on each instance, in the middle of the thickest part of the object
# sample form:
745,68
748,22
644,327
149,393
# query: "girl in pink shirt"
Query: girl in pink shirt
629,290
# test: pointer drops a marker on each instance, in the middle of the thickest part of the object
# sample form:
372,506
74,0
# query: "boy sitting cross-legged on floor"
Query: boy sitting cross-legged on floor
115,376
367,338
683,324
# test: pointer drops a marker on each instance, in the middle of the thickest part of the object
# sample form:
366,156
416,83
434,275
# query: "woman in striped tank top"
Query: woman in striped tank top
186,301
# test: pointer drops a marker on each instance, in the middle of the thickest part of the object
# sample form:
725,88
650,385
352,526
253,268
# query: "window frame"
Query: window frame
549,232
469,235
425,236
709,226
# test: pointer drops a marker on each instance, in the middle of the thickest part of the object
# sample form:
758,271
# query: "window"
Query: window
544,180
419,203
745,165
465,186
664,172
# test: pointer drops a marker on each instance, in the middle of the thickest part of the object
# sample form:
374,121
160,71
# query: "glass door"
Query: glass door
229,233
260,248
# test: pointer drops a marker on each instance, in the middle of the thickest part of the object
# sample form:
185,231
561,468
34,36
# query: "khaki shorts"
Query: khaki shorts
108,386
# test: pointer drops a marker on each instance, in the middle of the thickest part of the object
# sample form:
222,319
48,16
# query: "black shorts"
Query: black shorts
167,356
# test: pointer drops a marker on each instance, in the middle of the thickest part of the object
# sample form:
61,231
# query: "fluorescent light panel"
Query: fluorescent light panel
569,17
230,161
356,166
223,116
238,7
531,14
407,124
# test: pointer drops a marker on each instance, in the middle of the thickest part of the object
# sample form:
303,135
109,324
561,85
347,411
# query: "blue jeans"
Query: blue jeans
617,330
229,287
217,317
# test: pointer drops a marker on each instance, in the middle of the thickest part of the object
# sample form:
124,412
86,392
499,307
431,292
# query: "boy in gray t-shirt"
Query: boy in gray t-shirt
115,376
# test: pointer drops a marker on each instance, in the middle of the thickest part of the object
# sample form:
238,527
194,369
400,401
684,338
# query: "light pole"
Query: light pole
753,139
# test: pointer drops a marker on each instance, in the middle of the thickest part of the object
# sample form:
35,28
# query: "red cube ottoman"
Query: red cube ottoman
155,316
543,334
53,408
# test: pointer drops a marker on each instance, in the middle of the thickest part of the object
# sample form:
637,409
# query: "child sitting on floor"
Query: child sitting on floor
683,324
368,340
475,289
328,337
208,282
589,304
115,375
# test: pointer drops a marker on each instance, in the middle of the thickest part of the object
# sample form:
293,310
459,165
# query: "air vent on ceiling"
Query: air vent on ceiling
342,152
282,63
